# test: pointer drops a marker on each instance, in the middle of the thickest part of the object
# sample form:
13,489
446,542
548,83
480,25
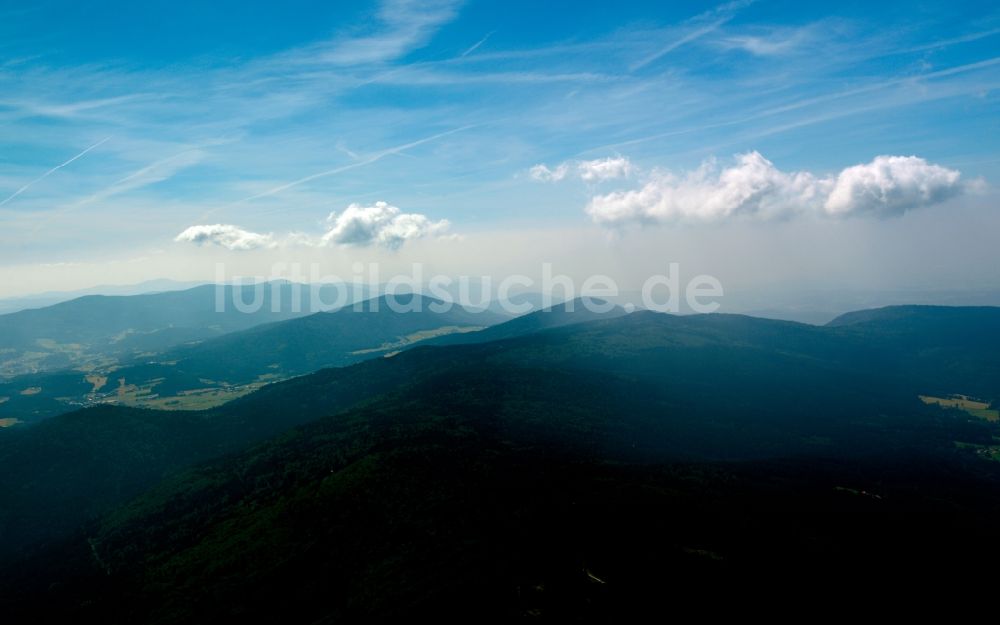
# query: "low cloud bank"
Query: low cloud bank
380,224
752,187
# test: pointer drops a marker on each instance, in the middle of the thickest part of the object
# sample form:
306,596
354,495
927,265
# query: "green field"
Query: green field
99,381
201,399
196,399
989,415
394,347
972,406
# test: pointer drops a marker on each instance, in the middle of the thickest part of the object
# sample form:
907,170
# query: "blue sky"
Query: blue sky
124,125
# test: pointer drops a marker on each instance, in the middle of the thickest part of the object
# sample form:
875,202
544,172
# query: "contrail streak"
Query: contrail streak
330,172
476,45
51,171
805,103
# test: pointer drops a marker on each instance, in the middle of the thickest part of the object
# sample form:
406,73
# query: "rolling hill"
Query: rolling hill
326,339
201,371
571,473
950,347
714,393
566,313
98,330
50,298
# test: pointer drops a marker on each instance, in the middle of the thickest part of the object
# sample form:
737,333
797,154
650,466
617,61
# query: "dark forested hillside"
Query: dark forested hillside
373,329
952,348
568,473
567,313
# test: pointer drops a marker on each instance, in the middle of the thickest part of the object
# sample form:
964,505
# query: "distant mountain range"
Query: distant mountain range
820,306
209,358
90,329
569,469
563,314
41,300
202,358
373,329
177,345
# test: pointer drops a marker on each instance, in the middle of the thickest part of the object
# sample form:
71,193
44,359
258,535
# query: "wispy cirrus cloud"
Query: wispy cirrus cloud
694,29
774,41
359,161
82,109
402,26
155,172
949,82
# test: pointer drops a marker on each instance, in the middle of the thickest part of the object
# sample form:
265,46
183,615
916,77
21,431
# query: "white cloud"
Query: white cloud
597,170
754,188
779,41
543,174
603,169
226,235
891,185
381,224
404,25
760,46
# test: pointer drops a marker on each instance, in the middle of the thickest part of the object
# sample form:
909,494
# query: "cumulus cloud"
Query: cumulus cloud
543,174
891,185
753,187
226,235
381,224
597,170
604,169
